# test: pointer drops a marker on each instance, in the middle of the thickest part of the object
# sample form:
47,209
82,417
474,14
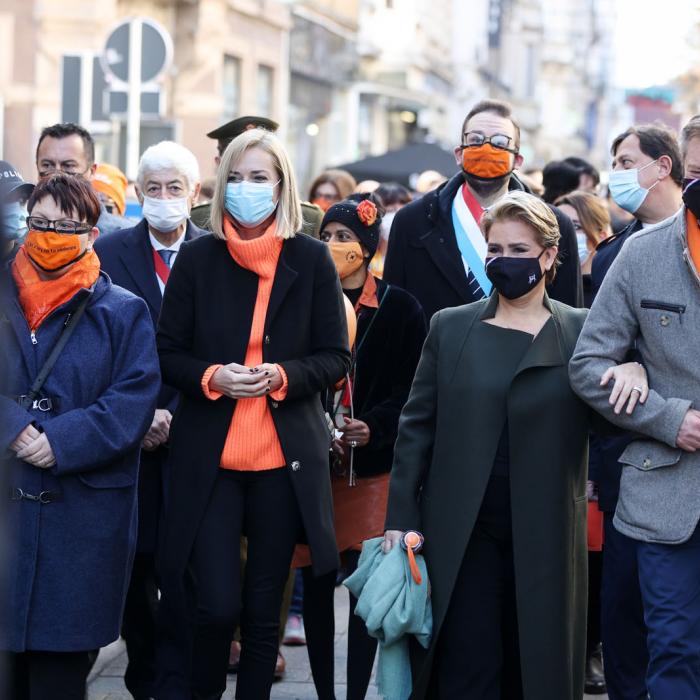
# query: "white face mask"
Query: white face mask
165,215
385,226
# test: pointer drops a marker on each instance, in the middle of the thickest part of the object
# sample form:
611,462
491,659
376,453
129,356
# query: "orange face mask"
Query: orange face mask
52,251
486,162
323,203
347,257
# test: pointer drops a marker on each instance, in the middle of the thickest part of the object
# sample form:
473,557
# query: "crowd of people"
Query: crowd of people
206,411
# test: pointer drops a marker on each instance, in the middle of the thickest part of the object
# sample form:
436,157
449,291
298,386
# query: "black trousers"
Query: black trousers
139,627
139,622
319,624
49,675
262,506
477,655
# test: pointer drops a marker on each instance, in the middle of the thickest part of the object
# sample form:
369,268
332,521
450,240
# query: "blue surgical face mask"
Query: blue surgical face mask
250,203
625,188
14,217
582,242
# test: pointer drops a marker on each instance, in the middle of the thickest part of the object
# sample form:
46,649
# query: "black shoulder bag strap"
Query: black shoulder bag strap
27,400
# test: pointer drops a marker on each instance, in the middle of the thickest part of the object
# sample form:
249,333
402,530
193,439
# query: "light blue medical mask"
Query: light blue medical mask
250,203
625,188
582,242
14,217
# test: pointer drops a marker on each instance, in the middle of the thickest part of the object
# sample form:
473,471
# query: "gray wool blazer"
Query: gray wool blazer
650,299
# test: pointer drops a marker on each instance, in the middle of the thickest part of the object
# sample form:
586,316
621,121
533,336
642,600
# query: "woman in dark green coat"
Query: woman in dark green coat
490,466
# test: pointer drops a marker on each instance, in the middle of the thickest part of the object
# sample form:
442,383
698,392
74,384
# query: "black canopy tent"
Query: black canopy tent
401,164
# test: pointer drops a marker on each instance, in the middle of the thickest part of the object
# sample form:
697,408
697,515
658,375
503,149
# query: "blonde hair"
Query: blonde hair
592,214
288,219
531,211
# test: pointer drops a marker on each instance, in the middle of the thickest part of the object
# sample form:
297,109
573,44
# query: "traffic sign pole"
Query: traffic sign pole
133,118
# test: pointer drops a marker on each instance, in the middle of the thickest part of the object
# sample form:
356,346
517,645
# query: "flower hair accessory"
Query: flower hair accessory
367,212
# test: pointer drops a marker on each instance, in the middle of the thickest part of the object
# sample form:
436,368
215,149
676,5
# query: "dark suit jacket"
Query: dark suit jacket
127,257
423,257
206,319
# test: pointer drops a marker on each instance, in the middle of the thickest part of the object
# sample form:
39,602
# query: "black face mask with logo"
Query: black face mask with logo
514,277
691,195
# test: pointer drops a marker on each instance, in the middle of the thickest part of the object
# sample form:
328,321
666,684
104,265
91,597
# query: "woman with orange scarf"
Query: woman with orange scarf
252,330
71,445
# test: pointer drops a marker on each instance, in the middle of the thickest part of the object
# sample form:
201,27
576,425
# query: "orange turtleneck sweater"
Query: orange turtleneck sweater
252,443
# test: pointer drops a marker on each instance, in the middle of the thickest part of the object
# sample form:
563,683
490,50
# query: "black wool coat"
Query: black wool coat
388,345
448,436
206,319
423,257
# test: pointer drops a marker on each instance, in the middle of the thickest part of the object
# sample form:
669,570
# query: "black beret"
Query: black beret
237,126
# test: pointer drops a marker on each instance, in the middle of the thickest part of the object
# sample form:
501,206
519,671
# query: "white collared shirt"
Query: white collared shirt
175,248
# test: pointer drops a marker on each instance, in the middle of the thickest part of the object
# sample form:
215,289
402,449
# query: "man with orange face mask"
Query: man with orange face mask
436,249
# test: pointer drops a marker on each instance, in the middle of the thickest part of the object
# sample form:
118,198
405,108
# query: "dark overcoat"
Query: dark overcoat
388,345
70,559
423,257
206,319
127,257
448,435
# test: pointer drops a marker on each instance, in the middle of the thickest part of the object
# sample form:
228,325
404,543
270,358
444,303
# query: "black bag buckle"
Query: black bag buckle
45,404
17,494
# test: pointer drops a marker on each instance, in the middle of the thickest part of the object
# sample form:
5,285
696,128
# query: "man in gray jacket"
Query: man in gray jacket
650,299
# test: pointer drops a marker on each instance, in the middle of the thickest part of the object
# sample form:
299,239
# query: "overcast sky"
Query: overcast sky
651,40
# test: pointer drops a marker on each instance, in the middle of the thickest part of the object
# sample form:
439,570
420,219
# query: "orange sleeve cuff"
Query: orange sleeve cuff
210,393
281,393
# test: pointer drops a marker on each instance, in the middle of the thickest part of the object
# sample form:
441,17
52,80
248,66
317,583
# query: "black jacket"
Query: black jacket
423,257
388,345
206,319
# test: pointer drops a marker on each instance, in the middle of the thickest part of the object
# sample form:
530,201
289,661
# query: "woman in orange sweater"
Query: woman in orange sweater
251,331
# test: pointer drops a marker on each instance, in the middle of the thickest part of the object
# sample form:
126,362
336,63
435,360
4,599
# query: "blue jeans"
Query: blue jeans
669,577
297,605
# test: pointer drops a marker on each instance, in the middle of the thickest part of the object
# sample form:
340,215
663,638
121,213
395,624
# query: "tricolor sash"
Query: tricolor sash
466,214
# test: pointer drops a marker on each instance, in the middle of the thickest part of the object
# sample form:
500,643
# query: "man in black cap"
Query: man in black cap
14,193
311,214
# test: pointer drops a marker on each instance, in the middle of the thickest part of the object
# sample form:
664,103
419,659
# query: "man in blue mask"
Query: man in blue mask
14,193
645,181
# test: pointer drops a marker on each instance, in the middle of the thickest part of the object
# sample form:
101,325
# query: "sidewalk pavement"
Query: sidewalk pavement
106,680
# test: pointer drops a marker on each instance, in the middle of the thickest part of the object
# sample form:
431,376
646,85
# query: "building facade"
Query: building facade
230,57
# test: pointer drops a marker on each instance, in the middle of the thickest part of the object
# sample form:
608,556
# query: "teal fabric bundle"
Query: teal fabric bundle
393,606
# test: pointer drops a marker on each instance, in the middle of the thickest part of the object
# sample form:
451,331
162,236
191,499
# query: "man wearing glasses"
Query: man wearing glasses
70,149
436,248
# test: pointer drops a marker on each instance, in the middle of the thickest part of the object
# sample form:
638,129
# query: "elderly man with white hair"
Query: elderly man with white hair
140,259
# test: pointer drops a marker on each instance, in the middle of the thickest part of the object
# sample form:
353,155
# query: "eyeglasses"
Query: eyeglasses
67,226
52,170
476,138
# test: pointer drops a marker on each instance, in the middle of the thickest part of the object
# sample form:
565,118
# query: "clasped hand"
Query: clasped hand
631,386
240,382
32,447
